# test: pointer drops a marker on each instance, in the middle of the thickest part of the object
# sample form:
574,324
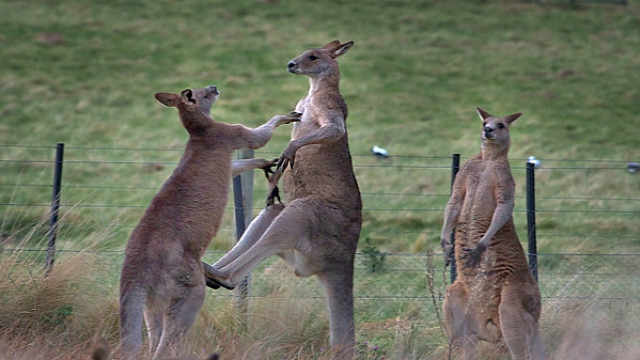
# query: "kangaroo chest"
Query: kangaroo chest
309,121
480,200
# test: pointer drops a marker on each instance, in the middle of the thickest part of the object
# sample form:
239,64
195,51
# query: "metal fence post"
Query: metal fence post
243,203
455,167
55,208
531,220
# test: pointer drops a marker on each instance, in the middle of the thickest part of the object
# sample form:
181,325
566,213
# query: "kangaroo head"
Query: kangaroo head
321,61
495,130
193,105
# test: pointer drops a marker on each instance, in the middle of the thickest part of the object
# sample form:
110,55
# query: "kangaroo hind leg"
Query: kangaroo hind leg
288,228
253,233
338,285
132,302
178,318
154,319
519,327
458,321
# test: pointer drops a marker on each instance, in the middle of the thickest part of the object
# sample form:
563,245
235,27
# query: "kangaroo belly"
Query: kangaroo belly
323,171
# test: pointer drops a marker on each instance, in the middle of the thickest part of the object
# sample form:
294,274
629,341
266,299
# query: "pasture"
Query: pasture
84,73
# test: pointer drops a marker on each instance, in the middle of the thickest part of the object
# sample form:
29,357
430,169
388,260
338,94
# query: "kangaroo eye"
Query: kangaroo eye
484,123
313,57
500,126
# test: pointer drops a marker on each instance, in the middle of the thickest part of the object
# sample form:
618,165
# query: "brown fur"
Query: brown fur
494,298
162,275
102,352
317,231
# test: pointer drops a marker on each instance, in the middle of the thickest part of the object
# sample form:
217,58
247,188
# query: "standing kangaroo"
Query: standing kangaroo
317,231
162,275
494,298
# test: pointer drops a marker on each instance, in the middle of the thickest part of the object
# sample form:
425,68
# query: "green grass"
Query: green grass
417,71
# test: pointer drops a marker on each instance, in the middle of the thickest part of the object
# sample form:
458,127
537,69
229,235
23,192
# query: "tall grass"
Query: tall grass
65,316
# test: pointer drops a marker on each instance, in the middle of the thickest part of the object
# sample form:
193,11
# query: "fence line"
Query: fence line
388,163
358,253
124,206
176,149
132,188
362,166
420,261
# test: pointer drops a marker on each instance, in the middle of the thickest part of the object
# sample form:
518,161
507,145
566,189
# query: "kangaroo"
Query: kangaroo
102,352
494,298
162,276
317,231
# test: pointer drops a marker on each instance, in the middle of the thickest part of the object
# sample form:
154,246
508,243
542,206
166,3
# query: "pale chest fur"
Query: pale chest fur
309,121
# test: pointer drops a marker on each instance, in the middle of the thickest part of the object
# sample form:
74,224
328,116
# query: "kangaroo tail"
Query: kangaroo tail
132,300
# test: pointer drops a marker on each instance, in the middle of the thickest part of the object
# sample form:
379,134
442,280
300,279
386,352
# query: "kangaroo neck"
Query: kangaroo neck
198,154
324,83
494,151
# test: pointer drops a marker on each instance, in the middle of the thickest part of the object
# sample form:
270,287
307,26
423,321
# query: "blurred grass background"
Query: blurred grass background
84,73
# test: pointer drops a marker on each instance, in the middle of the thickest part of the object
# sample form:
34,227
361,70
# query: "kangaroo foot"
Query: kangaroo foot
211,276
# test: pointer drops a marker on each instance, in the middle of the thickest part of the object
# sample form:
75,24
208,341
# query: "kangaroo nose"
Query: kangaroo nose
291,64
213,89
487,129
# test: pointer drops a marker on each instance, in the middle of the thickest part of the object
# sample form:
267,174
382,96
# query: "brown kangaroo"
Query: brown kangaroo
494,298
102,352
162,276
317,231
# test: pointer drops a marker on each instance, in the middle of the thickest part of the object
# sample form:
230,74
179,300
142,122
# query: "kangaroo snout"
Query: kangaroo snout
291,66
488,132
212,89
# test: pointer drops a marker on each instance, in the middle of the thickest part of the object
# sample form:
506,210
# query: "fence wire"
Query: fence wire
391,289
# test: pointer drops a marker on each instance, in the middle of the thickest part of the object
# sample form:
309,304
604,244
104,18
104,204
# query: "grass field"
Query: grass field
84,73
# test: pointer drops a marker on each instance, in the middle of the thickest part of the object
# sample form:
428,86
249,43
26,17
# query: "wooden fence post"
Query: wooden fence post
455,167
55,208
531,220
243,204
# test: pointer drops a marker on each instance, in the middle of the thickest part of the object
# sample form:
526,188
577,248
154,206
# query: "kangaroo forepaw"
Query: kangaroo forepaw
448,255
270,169
474,256
275,194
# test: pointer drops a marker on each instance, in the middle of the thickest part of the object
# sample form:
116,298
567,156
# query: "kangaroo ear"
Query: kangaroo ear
341,49
332,46
483,114
511,118
168,99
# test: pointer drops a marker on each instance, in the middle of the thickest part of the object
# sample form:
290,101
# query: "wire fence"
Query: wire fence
591,206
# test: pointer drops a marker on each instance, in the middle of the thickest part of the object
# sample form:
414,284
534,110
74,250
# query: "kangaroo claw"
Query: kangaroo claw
448,255
209,273
269,169
474,256
212,283
215,284
275,194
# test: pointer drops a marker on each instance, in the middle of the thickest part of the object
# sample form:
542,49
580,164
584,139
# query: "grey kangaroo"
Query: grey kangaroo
317,231
162,277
